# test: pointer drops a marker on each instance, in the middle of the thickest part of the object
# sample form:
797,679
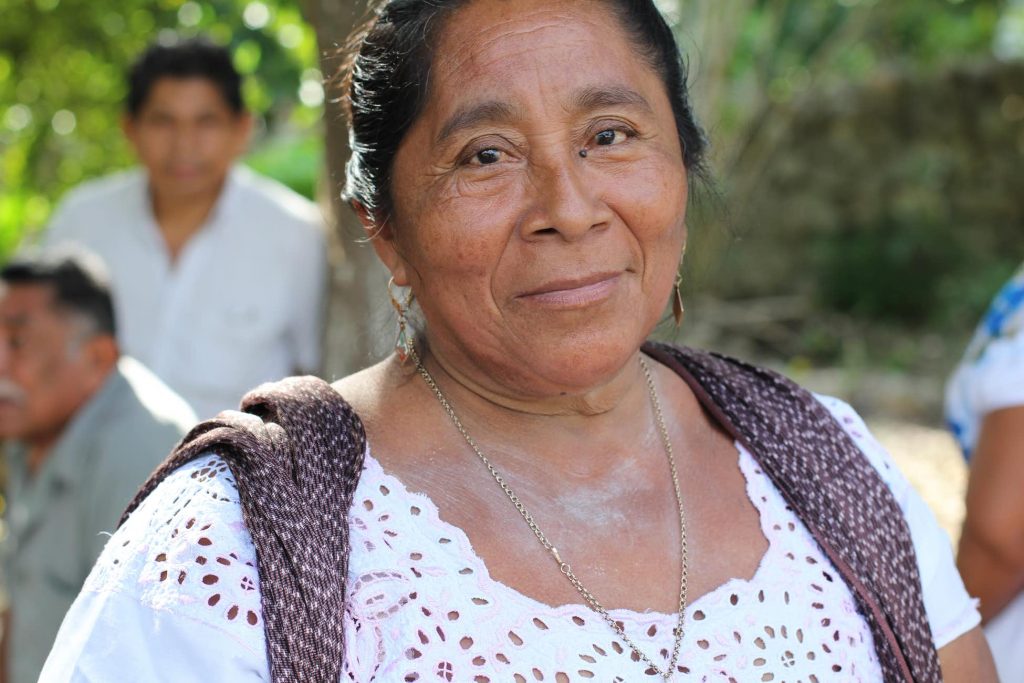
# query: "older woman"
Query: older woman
541,496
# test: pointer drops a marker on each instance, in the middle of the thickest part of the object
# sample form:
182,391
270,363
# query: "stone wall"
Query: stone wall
898,199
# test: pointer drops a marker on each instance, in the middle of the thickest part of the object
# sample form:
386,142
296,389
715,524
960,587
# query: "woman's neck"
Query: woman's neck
459,378
572,434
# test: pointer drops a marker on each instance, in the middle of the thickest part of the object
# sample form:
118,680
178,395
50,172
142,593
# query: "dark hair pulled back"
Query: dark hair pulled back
386,82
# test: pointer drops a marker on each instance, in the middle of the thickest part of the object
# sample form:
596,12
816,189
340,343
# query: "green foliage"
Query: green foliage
887,271
752,55
893,201
291,159
62,68
868,153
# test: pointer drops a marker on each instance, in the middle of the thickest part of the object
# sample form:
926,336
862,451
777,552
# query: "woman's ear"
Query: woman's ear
381,235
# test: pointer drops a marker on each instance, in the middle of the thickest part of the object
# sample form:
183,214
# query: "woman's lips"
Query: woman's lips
573,293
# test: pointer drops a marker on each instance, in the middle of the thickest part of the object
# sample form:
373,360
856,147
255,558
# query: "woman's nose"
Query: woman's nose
568,200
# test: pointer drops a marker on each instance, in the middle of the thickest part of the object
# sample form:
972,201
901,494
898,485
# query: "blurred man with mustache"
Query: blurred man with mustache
218,274
82,425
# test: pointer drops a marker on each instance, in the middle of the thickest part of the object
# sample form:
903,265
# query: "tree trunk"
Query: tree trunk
357,331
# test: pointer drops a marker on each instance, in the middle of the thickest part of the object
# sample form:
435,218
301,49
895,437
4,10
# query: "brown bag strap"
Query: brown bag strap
296,453
835,491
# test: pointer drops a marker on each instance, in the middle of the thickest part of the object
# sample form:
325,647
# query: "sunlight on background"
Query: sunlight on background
1009,40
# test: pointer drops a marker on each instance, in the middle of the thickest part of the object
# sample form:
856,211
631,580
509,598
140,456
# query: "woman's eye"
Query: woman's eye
609,137
485,157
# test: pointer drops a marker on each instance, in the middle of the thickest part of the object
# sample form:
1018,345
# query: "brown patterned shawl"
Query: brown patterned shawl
297,452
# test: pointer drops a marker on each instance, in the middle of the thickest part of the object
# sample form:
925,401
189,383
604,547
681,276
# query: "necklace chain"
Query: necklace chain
564,566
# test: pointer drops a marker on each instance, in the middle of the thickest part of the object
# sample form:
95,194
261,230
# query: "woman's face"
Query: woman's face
539,200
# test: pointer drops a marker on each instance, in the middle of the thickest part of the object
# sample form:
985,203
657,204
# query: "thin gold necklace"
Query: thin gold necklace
564,566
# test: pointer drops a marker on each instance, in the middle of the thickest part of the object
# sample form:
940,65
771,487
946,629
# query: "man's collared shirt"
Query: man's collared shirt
59,519
243,302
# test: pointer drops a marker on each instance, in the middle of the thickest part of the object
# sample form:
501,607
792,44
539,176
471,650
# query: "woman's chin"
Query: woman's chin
578,362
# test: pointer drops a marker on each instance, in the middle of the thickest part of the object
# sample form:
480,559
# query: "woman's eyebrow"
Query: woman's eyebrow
588,99
483,112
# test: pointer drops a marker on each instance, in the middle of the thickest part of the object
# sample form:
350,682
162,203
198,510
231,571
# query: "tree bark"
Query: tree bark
357,327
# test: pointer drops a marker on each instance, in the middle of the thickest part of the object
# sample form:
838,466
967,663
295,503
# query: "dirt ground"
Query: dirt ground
932,462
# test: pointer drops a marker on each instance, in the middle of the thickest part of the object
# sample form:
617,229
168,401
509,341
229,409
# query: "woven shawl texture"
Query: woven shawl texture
836,493
296,454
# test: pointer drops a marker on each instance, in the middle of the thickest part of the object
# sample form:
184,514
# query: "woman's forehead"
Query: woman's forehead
485,31
490,48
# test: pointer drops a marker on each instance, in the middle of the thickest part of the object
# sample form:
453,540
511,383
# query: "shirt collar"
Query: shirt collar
230,200
227,205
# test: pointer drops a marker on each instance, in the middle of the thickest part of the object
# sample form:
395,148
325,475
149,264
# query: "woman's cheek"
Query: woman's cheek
650,193
659,179
465,236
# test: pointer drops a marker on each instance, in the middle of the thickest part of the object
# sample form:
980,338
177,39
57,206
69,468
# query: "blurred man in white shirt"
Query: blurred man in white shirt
219,275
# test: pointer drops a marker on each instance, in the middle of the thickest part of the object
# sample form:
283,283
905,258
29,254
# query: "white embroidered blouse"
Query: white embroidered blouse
175,597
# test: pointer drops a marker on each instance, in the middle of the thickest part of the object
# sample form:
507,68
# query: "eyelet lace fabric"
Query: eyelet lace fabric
423,607
189,553
795,620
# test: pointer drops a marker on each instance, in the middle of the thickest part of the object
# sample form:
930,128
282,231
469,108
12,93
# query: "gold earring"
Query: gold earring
677,301
677,295
403,342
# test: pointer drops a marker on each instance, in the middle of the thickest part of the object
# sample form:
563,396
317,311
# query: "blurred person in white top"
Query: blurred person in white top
218,274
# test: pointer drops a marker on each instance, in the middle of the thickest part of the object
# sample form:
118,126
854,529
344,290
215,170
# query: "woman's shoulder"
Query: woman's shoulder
174,594
750,387
186,550
990,376
951,611
870,447
369,390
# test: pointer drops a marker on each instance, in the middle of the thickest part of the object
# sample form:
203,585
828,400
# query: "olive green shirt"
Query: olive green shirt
59,519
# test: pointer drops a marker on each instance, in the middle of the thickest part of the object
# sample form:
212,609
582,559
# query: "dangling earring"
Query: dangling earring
403,342
677,301
677,295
